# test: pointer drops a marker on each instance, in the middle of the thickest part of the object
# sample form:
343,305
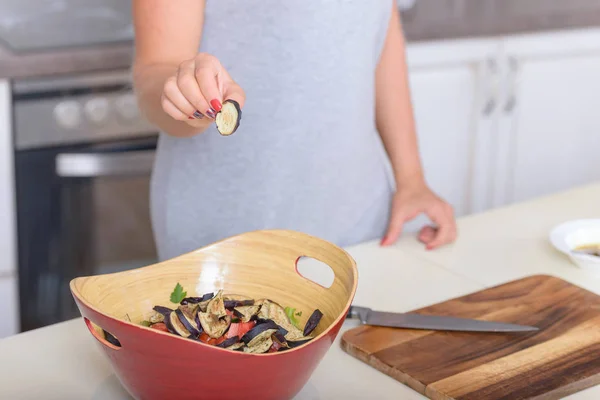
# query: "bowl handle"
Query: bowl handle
300,245
99,337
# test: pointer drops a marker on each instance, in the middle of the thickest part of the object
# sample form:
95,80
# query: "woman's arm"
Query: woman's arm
178,89
395,119
396,125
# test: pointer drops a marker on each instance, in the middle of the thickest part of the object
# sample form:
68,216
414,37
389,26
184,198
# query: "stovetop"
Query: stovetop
38,25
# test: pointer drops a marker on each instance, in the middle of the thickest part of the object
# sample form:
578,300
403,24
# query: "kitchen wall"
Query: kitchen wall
444,19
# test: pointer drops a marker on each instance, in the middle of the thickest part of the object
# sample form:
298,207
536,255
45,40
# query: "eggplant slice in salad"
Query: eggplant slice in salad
246,313
233,322
228,119
272,311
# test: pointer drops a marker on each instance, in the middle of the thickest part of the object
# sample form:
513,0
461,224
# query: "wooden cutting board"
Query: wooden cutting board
560,359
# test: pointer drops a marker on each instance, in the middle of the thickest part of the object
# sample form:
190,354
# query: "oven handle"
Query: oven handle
92,165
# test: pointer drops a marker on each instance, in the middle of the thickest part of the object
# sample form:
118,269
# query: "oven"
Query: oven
83,160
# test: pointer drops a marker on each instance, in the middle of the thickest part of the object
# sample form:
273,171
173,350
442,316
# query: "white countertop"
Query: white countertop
64,361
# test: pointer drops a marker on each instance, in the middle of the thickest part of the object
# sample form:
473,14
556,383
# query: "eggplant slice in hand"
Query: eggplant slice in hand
228,119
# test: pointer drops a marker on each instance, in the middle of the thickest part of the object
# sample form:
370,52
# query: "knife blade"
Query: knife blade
431,322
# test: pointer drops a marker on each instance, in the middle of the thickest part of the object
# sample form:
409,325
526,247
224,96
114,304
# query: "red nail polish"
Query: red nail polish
191,118
216,105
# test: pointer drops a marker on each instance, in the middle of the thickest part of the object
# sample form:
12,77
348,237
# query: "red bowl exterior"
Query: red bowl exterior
190,370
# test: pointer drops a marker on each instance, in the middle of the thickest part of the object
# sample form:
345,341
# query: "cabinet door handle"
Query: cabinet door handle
510,105
511,99
491,77
490,106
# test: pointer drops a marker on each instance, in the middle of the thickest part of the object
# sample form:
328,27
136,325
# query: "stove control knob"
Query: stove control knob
67,114
97,109
127,107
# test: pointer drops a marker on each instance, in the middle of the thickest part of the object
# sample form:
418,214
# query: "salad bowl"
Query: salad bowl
153,364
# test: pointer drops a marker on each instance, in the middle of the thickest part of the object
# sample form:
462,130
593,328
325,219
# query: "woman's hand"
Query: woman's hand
195,93
412,200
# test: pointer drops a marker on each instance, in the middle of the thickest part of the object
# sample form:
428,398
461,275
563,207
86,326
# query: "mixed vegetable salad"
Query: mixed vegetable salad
233,322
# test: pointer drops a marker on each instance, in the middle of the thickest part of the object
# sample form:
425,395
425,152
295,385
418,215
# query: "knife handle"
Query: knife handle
352,314
360,313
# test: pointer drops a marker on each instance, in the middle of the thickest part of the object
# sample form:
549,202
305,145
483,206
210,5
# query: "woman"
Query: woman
322,85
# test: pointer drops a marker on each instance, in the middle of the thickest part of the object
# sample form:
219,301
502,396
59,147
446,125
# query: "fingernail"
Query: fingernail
211,113
216,105
191,118
198,115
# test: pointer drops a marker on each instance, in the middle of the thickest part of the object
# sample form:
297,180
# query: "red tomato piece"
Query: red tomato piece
204,338
239,329
219,340
274,347
160,327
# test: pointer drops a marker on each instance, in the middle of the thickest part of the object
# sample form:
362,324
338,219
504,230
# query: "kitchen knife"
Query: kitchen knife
431,322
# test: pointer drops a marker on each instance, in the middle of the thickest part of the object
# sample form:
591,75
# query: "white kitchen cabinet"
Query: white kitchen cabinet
451,87
8,245
9,310
9,324
550,127
507,119
444,105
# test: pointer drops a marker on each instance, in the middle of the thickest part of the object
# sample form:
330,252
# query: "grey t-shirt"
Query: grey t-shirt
307,155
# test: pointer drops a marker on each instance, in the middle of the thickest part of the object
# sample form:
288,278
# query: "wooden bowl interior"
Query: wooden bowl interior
257,264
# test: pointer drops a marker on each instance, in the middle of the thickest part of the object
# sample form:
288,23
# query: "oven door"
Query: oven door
82,210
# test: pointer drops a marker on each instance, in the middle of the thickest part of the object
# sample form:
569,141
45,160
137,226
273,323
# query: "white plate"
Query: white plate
569,235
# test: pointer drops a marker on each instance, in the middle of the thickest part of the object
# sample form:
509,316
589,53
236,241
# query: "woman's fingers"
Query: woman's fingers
233,91
198,89
208,73
443,217
427,234
189,87
172,110
172,92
